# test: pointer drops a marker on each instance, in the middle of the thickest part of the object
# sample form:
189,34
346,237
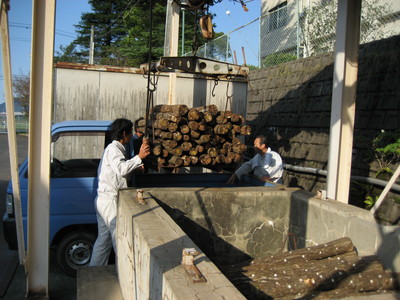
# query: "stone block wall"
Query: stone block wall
291,104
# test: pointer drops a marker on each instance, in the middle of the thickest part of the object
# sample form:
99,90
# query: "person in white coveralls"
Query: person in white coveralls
266,166
113,171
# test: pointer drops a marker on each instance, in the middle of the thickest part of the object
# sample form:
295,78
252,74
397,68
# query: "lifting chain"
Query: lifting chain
216,80
151,88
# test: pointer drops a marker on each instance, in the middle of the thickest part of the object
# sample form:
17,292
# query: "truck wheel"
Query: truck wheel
74,250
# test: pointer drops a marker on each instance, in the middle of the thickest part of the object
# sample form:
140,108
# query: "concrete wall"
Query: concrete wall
149,254
97,94
234,224
291,104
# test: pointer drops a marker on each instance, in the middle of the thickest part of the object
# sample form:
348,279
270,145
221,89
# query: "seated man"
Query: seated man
133,147
266,166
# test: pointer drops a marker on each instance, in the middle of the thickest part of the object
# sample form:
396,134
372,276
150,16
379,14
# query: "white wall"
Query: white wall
103,95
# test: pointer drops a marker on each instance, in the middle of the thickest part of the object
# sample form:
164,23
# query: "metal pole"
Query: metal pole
183,32
11,132
244,57
91,51
43,17
343,99
227,48
259,41
297,30
234,57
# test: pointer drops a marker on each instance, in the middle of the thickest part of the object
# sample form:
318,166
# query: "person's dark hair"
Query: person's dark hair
263,139
136,125
119,126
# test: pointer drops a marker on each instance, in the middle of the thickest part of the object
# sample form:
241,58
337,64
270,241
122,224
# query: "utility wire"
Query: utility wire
29,26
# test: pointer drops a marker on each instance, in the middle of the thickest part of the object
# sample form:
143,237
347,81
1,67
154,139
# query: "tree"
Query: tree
21,85
122,33
107,19
135,45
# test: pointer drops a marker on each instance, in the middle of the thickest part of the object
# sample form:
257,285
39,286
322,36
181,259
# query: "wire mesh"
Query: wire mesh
297,29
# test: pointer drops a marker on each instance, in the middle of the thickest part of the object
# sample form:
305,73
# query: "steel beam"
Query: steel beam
200,65
11,132
343,99
43,17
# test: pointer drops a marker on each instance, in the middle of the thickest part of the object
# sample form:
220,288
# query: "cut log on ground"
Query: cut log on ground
332,267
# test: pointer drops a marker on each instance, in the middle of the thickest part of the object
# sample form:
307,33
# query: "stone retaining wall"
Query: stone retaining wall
291,104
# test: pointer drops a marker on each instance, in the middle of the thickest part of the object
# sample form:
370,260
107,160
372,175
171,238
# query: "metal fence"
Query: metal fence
21,124
290,31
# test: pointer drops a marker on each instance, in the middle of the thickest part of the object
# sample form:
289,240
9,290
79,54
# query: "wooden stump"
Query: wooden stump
333,266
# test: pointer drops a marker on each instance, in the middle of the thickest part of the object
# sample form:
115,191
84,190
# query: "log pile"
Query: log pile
199,136
330,270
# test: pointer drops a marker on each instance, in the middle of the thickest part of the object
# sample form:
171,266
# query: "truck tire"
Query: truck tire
74,250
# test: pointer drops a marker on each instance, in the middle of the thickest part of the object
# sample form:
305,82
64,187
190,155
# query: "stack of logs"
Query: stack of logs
199,136
330,270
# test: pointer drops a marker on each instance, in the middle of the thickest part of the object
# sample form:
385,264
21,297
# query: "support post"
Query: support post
11,132
171,42
43,16
386,190
343,99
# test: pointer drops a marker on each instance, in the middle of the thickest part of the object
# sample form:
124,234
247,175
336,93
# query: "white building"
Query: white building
302,28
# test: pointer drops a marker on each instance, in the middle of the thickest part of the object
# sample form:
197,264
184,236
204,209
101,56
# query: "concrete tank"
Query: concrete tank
227,226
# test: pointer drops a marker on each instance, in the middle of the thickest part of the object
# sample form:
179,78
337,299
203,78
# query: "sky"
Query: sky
229,16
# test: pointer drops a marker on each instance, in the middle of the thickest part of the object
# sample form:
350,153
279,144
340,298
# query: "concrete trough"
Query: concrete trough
228,226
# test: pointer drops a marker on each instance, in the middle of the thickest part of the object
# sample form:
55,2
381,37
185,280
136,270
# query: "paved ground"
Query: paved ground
12,276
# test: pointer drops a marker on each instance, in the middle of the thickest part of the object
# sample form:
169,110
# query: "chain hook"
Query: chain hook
215,84
228,97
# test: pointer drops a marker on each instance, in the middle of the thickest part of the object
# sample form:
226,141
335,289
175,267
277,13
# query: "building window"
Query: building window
278,16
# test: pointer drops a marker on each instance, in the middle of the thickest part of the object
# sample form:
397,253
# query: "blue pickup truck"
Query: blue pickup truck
76,150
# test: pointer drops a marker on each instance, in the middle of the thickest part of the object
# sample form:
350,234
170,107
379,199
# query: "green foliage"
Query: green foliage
135,44
387,143
252,67
277,58
386,148
370,201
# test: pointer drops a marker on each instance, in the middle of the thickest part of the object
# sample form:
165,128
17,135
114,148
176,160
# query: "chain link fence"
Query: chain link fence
290,31
21,124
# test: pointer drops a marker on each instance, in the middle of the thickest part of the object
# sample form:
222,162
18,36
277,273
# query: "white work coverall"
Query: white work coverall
269,164
112,172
